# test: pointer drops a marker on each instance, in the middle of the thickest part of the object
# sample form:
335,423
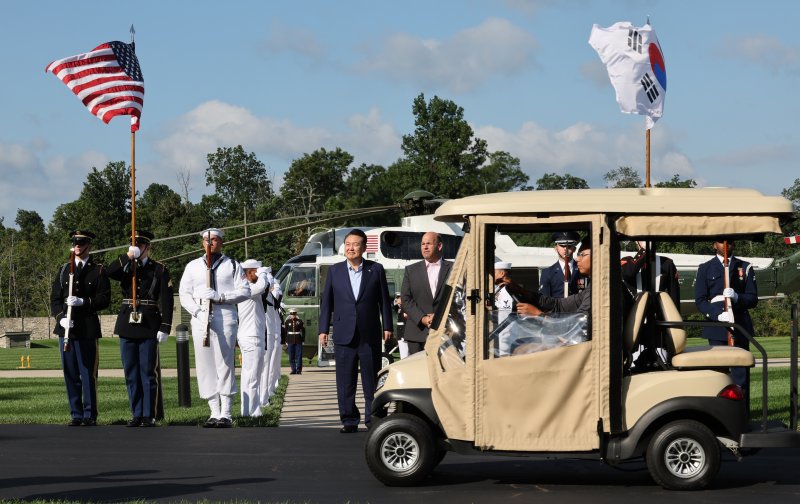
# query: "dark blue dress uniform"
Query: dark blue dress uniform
551,282
138,344
295,332
80,362
709,285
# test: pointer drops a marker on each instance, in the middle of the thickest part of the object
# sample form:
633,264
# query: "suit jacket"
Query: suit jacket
633,267
551,283
370,312
93,286
709,284
417,298
153,285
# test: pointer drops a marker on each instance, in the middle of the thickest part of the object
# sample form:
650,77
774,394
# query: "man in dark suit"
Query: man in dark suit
141,330
356,299
565,270
89,293
712,292
422,290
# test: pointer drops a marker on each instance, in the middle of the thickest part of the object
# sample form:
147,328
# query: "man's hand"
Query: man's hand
323,339
198,312
74,301
730,293
427,320
387,335
528,310
209,293
134,252
162,337
66,323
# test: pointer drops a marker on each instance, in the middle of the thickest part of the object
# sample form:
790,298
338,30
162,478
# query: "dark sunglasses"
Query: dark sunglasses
81,241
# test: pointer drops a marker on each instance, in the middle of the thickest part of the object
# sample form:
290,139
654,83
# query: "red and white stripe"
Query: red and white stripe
791,240
107,80
372,243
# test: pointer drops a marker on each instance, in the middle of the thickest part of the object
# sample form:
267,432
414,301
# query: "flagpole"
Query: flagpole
134,314
647,157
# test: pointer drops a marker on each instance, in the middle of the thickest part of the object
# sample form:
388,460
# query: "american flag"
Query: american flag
372,243
107,80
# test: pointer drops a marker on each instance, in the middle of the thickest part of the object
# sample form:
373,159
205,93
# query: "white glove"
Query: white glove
134,252
262,270
162,337
198,312
209,293
725,317
65,322
730,293
74,301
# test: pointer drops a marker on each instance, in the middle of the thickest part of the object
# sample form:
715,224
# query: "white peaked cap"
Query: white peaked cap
500,265
213,232
251,264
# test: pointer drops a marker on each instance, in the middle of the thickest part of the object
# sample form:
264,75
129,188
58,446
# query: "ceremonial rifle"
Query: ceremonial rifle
726,300
208,304
69,308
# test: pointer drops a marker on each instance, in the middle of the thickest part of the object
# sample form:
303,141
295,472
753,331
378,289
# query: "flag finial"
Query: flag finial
133,32
646,22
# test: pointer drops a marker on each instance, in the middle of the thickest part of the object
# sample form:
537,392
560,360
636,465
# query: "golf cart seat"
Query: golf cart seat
633,323
701,357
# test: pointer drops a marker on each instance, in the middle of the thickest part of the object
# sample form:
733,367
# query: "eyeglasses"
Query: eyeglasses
81,241
582,255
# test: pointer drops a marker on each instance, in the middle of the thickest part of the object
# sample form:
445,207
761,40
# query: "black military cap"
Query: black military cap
143,236
81,235
566,237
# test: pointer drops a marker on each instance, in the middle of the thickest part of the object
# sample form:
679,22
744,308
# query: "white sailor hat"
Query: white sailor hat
501,265
251,264
212,232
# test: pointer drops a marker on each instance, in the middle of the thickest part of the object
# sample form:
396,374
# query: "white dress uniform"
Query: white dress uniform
252,325
271,374
215,363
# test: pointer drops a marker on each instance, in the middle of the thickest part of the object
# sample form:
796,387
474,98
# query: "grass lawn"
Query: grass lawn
44,401
44,354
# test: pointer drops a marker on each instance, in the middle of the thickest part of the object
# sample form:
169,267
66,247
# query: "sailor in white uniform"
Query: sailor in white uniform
271,374
252,327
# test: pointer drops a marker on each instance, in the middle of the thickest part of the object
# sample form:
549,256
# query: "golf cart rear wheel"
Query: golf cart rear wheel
683,455
401,450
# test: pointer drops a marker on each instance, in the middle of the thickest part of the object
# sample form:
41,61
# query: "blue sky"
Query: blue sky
284,78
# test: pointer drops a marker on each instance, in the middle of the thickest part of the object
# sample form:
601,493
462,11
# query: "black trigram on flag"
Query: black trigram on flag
635,40
649,87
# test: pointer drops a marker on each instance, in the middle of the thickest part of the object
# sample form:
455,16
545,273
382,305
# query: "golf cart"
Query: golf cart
565,385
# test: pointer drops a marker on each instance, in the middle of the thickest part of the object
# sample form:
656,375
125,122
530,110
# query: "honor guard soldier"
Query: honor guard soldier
142,324
565,270
252,327
295,336
79,291
211,287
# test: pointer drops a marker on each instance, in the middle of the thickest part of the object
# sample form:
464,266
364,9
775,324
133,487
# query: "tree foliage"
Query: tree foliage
624,176
556,181
676,181
313,179
240,180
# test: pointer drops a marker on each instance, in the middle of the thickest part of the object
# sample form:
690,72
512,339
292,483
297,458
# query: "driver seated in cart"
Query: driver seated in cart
544,322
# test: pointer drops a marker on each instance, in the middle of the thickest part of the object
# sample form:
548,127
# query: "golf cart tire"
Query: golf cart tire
386,359
683,455
401,450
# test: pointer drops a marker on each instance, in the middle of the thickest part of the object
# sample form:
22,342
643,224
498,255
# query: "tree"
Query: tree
556,181
502,174
239,179
314,178
624,176
31,225
442,156
676,181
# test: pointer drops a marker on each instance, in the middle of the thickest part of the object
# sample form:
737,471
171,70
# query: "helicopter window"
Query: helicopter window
406,245
302,282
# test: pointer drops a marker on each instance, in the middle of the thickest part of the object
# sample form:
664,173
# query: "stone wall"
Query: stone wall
42,327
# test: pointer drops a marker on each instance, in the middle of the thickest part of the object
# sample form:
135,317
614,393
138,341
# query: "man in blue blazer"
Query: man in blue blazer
710,292
356,301
551,282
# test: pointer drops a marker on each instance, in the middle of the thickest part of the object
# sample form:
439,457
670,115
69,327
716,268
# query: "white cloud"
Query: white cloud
587,151
764,51
284,38
216,124
461,63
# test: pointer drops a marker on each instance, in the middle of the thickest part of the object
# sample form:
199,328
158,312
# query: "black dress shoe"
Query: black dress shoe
349,429
134,422
224,423
211,422
148,422
75,422
89,422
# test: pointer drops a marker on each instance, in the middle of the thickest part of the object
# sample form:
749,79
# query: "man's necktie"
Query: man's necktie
566,277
